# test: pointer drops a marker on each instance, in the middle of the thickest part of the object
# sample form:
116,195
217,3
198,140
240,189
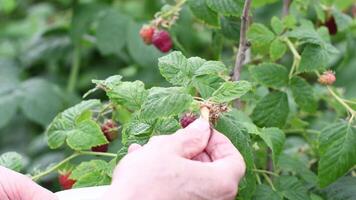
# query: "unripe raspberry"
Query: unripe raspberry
187,119
146,33
109,128
101,148
162,40
64,180
327,78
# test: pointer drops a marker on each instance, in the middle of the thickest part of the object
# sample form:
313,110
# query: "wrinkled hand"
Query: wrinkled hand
183,166
15,186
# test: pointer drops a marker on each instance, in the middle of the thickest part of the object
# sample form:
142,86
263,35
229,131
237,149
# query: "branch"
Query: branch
244,44
286,5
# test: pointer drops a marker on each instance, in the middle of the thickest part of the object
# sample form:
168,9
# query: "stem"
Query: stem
265,171
296,57
244,44
269,181
74,155
341,101
54,167
205,112
286,5
174,9
74,70
349,101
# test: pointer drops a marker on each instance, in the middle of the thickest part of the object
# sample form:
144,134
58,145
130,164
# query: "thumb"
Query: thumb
193,139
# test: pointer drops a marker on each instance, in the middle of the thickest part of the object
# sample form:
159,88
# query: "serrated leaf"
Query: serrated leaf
303,94
12,160
136,132
229,91
343,189
144,55
227,7
337,151
211,67
85,135
314,57
207,84
274,138
277,25
109,83
264,192
260,37
230,27
343,21
92,173
129,94
291,188
111,32
165,102
41,100
306,34
271,111
201,11
319,11
174,68
277,49
270,74
64,122
166,126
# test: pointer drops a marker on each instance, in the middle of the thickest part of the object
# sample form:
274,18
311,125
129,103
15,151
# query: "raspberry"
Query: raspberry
187,119
64,180
327,78
146,33
162,40
101,148
331,25
109,128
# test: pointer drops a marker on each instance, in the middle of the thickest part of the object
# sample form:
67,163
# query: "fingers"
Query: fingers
224,154
133,147
202,157
14,185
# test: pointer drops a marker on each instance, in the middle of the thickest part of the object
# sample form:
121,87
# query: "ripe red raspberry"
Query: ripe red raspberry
146,33
187,119
327,78
101,148
64,180
162,40
109,128
331,25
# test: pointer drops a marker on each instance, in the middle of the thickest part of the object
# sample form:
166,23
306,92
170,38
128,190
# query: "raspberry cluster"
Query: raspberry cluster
159,38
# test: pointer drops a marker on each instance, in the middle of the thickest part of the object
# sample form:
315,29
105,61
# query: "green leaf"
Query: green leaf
41,100
319,11
144,55
274,138
314,57
277,49
230,27
343,189
229,125
111,32
84,15
264,192
166,126
270,74
227,7
109,83
277,25
212,67
207,84
128,94
229,91
260,37
271,111
12,160
201,11
92,173
85,135
65,122
165,102
337,151
343,21
303,94
136,132
291,188
174,67
8,104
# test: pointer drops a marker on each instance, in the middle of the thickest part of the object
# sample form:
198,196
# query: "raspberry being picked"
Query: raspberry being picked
327,78
146,33
162,40
187,119
64,180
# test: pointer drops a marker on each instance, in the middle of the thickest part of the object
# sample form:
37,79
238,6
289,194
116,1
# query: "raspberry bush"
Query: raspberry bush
273,83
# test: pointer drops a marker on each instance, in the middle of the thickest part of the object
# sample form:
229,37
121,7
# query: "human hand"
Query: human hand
15,186
184,165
